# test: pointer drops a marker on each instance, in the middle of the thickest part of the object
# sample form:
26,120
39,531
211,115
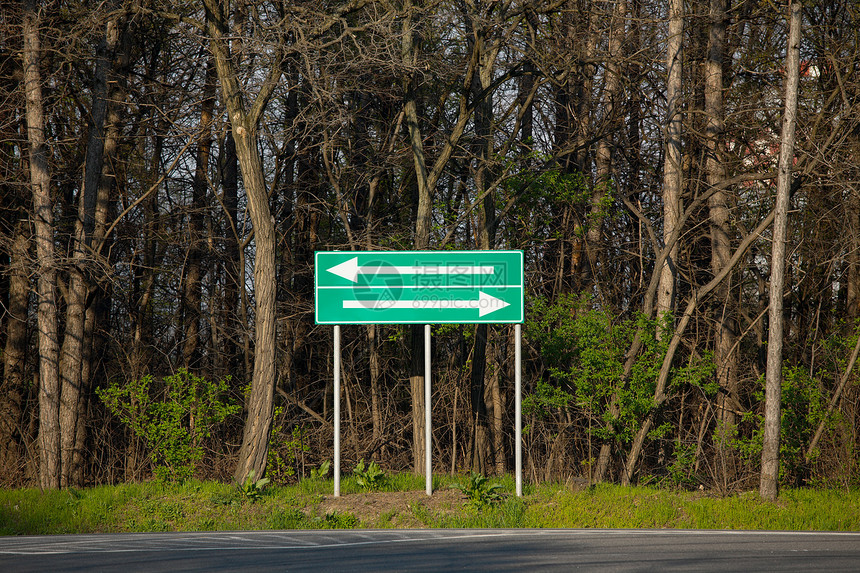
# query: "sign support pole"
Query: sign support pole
420,287
336,410
428,433
518,383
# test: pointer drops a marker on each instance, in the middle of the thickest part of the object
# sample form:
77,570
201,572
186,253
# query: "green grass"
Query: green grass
392,482
642,507
211,506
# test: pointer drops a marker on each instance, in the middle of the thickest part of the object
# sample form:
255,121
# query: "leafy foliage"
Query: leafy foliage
804,406
252,489
340,520
370,477
679,473
322,471
583,349
284,448
173,417
479,492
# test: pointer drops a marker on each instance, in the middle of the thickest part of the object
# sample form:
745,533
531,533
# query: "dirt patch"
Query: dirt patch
393,509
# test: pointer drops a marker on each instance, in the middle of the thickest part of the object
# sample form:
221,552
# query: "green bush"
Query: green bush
252,489
479,492
803,407
286,450
369,478
321,472
172,417
340,520
584,348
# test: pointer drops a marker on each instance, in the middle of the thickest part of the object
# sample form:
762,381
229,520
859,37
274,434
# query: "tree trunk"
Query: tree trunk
768,488
253,452
375,366
72,353
426,180
43,223
852,302
13,387
633,111
416,390
485,227
421,241
144,275
375,391
603,156
98,305
480,449
672,169
495,398
75,344
672,181
234,299
192,294
255,438
725,328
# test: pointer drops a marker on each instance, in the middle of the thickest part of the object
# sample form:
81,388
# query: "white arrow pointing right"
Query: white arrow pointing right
485,304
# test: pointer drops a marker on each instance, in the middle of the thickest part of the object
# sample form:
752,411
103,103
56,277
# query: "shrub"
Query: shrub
172,418
583,348
369,478
252,489
480,492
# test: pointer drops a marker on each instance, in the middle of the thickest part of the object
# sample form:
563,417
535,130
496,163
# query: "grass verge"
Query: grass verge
400,502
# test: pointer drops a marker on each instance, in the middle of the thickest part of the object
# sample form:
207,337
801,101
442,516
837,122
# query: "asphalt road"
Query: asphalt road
436,550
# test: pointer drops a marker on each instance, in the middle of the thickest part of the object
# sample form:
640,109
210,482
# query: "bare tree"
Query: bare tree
427,175
244,122
13,387
192,294
43,222
768,488
672,168
715,164
75,348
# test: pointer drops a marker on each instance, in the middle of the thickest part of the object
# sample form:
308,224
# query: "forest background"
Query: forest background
168,170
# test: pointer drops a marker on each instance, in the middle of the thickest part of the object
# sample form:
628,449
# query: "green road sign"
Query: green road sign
418,287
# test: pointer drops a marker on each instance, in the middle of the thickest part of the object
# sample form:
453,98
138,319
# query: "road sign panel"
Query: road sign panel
419,287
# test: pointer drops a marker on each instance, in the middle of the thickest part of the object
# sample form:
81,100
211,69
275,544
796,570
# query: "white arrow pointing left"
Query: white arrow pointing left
350,270
485,304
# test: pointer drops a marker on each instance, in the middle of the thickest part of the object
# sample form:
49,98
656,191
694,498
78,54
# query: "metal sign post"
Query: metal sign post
518,406
336,410
420,287
428,428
